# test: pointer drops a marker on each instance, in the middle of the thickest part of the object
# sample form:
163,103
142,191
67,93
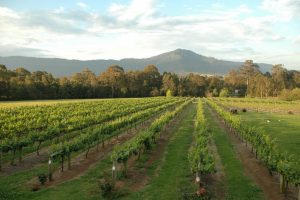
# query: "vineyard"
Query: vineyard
150,148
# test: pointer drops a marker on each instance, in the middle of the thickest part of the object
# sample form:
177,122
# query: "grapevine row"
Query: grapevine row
22,121
15,142
98,135
145,139
265,148
200,157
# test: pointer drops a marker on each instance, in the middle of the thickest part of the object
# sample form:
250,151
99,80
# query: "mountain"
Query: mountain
178,61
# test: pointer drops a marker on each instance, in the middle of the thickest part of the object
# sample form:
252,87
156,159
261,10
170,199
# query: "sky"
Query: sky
265,31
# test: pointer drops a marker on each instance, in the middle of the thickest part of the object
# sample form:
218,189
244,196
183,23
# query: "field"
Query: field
149,148
274,119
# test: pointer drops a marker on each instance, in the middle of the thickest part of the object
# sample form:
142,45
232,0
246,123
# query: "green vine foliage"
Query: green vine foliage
91,138
26,125
200,158
146,138
264,146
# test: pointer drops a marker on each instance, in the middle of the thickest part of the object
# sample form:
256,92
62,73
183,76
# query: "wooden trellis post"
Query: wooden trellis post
114,173
0,159
50,168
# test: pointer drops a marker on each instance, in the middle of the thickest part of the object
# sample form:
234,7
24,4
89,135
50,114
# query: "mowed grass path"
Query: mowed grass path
173,172
237,185
283,128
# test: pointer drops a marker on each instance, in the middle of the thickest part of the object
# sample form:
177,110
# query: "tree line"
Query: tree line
248,80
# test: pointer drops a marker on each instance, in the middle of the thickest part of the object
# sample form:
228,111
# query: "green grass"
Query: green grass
82,188
282,127
238,185
173,173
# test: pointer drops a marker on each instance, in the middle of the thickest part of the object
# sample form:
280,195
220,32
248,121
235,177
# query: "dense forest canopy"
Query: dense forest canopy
21,84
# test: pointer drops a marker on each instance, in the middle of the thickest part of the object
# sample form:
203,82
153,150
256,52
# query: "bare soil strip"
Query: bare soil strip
80,164
214,181
253,167
32,160
137,177
29,161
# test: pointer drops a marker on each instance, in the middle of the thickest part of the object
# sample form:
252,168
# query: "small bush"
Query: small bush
224,93
106,188
234,111
244,110
169,93
42,178
35,188
290,95
290,112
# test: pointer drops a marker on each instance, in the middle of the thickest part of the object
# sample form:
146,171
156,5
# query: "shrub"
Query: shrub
215,93
106,188
224,92
35,188
234,111
244,110
169,93
42,178
290,95
290,112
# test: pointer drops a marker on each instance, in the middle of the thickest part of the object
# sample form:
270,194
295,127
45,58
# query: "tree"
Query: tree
196,85
113,77
215,82
280,78
135,83
235,81
182,89
65,88
152,80
296,78
249,70
4,84
169,82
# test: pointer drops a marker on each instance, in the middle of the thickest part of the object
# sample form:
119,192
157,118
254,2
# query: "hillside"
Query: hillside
178,61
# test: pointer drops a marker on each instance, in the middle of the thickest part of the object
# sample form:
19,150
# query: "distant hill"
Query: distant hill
178,61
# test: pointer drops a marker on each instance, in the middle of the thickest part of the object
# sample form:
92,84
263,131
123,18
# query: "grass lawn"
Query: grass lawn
282,127
173,171
238,185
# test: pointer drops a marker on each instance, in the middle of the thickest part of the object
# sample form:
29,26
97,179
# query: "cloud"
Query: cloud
284,9
57,21
81,4
135,10
9,50
297,39
6,12
291,56
59,10
140,29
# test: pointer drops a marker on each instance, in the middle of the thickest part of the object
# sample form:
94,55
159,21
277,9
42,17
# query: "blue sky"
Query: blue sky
265,31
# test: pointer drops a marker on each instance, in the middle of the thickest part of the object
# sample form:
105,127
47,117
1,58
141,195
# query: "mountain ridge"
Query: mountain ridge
177,61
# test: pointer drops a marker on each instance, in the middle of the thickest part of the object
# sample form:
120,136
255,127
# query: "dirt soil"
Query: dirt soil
137,177
253,167
29,161
32,160
214,181
80,164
